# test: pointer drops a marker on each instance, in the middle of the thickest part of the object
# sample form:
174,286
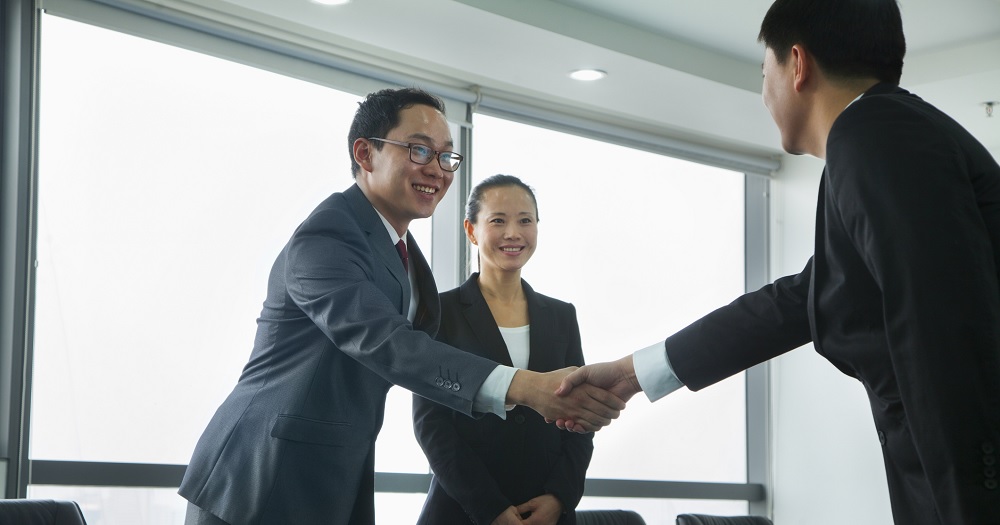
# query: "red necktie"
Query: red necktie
401,248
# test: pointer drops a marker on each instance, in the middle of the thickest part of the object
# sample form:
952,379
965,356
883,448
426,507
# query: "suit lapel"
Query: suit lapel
477,314
545,348
378,239
428,316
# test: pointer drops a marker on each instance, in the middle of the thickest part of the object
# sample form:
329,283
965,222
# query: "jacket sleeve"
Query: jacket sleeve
752,329
566,482
456,466
335,279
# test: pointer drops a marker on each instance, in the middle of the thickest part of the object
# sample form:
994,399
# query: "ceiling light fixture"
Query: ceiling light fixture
989,107
587,75
331,2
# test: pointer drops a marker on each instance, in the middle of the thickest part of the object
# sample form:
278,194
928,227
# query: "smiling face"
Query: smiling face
400,189
506,229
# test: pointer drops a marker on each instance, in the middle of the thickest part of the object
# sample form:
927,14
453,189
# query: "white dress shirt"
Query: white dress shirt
653,370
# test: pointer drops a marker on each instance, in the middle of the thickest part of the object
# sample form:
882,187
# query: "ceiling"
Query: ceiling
687,70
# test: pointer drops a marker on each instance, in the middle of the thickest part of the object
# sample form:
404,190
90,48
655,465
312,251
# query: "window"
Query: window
642,245
168,182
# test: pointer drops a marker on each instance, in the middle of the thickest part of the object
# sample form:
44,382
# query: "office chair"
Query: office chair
608,517
40,512
704,519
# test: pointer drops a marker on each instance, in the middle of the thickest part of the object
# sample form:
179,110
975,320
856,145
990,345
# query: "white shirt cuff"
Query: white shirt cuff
493,393
652,369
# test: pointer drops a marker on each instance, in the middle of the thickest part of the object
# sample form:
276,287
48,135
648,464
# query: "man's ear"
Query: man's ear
803,64
363,154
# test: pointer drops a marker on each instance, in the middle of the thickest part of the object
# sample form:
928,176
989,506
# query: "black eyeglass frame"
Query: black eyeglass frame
434,153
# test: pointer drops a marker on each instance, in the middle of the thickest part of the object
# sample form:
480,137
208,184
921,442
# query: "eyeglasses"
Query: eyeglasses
448,160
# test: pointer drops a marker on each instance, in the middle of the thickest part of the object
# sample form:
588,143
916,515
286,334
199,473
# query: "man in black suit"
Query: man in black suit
902,291
351,309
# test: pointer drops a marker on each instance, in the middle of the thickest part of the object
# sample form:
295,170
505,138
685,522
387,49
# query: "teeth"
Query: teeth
425,189
510,249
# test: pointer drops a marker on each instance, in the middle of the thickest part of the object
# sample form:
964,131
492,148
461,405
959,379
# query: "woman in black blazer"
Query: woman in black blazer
491,470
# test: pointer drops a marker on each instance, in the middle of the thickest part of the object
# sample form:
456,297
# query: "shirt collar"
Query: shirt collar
388,228
845,107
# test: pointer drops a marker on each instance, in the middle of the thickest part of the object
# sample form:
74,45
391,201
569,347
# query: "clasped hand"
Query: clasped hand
543,510
617,378
587,407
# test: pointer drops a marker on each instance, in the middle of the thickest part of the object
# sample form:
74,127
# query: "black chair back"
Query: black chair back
40,512
608,517
705,519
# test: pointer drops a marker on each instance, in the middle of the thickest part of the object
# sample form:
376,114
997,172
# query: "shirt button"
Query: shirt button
439,381
456,386
447,383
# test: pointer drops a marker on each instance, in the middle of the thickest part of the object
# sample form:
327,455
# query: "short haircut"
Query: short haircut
849,38
379,112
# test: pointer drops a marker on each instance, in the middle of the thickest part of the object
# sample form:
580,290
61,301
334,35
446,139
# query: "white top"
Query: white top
518,344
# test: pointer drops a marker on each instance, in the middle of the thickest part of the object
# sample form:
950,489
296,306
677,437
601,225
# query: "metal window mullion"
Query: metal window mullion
94,474
19,34
758,388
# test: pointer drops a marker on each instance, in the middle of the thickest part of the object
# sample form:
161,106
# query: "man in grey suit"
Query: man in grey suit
351,309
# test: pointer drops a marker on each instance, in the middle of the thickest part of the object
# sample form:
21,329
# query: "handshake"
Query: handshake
577,399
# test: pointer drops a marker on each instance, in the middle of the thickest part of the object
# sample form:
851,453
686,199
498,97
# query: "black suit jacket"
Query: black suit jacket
902,293
294,441
483,466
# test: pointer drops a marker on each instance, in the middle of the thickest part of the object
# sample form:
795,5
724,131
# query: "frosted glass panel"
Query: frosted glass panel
168,183
642,245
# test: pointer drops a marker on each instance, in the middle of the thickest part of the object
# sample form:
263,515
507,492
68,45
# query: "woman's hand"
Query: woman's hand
509,517
543,510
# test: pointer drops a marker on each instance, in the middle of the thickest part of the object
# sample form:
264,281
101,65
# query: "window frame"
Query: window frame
20,32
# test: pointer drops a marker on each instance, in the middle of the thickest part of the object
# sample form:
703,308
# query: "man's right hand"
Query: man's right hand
617,377
588,407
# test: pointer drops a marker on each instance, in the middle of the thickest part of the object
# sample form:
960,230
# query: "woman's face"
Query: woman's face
506,229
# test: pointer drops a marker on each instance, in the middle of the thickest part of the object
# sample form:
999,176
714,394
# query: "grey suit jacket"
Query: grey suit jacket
294,441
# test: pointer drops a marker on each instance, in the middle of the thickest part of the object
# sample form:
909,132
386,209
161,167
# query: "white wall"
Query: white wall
827,459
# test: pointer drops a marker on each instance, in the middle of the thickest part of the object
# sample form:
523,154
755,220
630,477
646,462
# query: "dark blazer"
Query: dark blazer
482,466
294,441
902,293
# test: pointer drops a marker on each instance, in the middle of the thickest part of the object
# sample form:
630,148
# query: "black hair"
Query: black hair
496,181
849,38
379,112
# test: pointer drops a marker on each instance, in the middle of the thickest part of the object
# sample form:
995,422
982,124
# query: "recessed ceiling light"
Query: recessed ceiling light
587,74
331,2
